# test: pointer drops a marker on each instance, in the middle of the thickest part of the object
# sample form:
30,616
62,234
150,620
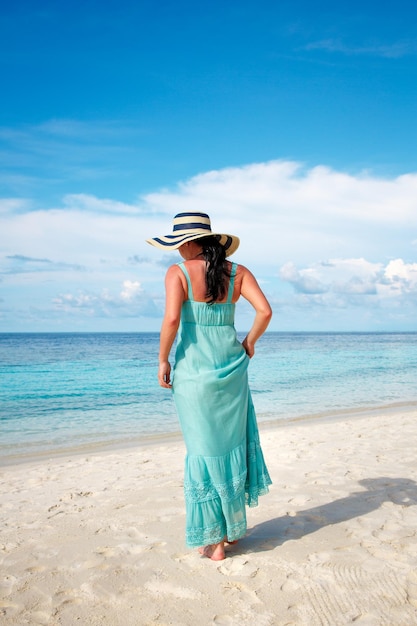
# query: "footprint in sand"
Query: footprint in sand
223,620
241,593
35,569
185,557
68,597
299,500
319,557
39,618
6,585
8,547
290,585
8,608
237,566
105,551
161,587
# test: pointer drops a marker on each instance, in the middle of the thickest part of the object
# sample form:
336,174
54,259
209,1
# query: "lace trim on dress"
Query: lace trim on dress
214,534
257,479
204,491
255,482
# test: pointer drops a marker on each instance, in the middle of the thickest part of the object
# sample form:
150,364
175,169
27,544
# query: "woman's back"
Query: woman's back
196,270
198,312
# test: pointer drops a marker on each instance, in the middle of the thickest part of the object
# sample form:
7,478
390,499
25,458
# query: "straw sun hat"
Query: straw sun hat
191,226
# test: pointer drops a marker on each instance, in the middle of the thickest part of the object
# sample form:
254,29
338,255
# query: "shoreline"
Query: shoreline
99,538
155,439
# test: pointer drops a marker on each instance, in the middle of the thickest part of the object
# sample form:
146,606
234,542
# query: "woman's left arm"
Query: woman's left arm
174,297
251,291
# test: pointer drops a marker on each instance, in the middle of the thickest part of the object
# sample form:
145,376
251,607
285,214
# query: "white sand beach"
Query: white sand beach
98,539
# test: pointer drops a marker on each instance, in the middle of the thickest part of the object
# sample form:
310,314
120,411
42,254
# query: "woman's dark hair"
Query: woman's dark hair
217,271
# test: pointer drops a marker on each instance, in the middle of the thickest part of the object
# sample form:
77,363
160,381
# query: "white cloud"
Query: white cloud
283,211
354,281
399,279
85,202
281,188
279,207
20,264
404,271
391,51
304,280
130,290
46,138
81,300
339,278
132,301
8,206
340,239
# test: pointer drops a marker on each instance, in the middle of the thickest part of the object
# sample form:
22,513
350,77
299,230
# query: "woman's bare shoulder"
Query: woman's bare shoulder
174,273
242,270
174,269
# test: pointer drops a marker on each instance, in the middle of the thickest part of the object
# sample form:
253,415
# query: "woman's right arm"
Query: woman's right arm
174,297
251,291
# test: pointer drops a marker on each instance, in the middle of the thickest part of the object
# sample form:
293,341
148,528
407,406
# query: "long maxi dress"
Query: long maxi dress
224,464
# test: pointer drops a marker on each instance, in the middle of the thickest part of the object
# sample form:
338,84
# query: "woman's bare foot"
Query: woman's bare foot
215,551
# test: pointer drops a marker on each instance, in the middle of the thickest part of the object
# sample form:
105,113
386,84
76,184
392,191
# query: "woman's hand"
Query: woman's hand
164,374
249,348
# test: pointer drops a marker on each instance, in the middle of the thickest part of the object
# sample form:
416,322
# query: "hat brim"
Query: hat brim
173,242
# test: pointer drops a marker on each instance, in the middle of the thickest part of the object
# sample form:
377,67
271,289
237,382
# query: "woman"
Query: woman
224,467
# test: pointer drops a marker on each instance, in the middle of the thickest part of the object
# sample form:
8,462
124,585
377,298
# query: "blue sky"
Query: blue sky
293,124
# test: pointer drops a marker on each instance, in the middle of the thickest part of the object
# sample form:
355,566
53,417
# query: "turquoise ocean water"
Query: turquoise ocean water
73,390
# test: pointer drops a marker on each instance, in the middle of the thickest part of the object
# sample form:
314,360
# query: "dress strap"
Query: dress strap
231,282
187,276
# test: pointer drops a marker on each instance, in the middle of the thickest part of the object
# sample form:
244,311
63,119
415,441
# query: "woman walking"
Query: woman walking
224,467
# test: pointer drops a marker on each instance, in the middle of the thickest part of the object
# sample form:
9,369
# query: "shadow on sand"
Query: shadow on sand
275,532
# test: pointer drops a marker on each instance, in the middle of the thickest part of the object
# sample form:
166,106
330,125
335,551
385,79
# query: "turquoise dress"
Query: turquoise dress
224,465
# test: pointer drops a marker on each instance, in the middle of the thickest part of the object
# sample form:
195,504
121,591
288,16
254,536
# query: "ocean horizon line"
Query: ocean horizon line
239,332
